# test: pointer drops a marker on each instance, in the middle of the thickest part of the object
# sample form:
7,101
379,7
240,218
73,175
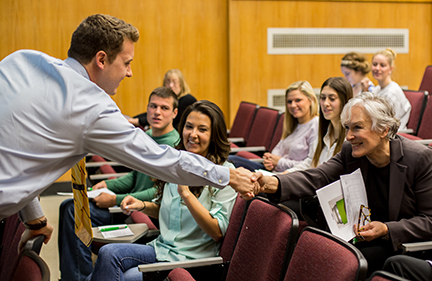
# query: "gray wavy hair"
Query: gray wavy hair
378,109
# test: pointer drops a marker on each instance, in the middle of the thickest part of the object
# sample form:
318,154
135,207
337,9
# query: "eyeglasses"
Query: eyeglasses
364,217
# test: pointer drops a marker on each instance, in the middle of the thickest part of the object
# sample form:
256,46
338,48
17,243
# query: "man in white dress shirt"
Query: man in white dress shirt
55,112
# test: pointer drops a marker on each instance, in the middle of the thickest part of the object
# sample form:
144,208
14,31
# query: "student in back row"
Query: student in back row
75,257
299,131
174,80
382,68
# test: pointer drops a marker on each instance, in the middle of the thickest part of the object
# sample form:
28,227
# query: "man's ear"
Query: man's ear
101,59
175,111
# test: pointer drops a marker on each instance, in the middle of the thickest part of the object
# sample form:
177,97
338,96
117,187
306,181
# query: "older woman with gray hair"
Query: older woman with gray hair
397,173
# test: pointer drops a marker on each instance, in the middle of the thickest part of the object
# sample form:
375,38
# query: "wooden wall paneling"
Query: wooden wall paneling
189,35
253,71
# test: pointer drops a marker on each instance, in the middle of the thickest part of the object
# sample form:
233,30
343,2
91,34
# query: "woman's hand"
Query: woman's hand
130,204
270,161
365,84
371,231
183,190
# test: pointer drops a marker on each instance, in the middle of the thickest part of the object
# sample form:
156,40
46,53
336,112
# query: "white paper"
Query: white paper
328,197
90,194
116,233
352,190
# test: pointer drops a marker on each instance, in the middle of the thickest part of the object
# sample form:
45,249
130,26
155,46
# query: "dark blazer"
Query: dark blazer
410,192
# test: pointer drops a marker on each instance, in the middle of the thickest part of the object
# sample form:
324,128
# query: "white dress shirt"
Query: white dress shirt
52,115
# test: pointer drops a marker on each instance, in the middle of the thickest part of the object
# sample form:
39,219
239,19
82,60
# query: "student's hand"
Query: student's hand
365,84
29,234
268,165
105,200
244,182
183,190
134,121
99,185
271,158
130,204
371,231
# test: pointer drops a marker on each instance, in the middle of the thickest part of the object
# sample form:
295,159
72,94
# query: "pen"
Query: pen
113,228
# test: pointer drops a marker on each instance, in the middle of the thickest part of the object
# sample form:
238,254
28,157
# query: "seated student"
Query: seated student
409,267
193,220
355,67
75,257
174,80
299,132
397,173
335,93
382,67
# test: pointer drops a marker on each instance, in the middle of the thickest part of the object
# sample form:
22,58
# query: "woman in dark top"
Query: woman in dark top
174,80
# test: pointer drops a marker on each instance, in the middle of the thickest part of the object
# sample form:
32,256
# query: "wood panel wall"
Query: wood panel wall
220,45
189,35
253,71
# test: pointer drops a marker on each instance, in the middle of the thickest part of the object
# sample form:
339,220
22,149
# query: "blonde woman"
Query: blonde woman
382,68
299,133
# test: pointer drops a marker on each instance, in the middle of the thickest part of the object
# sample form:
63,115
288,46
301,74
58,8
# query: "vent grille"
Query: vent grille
335,40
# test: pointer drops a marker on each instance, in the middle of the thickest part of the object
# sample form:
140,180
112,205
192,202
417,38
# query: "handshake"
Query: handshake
249,184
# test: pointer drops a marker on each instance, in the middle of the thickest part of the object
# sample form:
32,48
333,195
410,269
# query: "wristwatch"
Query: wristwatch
37,226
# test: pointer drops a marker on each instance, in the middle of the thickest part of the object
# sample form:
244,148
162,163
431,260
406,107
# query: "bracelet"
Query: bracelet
143,207
37,226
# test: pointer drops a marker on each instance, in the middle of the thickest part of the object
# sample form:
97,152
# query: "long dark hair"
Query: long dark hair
219,146
344,90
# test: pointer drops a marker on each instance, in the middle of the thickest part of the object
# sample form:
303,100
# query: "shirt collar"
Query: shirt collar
77,66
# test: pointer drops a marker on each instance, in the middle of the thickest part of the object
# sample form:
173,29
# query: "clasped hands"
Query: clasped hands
249,184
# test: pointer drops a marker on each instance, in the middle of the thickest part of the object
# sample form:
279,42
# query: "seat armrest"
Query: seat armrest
425,141
406,131
248,148
106,176
163,266
236,139
416,246
98,164
34,244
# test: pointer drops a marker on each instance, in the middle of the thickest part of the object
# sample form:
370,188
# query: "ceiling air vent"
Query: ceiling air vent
335,40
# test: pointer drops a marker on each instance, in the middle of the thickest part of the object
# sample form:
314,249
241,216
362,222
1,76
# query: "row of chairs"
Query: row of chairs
263,243
255,130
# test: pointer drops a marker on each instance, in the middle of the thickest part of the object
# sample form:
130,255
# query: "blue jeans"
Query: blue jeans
75,257
239,161
119,262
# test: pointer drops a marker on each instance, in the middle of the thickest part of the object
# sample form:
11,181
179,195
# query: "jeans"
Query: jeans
239,161
75,257
119,262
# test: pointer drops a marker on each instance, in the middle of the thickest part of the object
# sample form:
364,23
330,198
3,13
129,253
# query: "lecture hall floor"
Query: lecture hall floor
50,205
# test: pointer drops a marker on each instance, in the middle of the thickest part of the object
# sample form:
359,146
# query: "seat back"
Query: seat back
426,83
30,266
425,128
263,127
236,220
243,120
418,100
277,135
319,255
13,230
385,276
265,243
